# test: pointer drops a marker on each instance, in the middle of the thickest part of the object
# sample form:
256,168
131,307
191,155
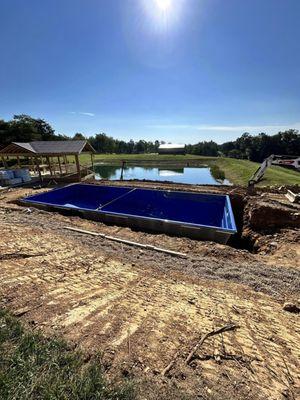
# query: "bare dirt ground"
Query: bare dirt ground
142,309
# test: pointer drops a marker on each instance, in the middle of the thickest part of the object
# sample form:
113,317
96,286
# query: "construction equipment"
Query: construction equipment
283,161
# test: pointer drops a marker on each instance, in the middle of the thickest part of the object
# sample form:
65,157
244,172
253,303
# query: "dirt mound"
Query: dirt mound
267,215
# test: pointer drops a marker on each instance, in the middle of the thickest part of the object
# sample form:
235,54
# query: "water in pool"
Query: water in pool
191,175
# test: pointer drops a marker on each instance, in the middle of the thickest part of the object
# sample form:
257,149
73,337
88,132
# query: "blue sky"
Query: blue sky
174,70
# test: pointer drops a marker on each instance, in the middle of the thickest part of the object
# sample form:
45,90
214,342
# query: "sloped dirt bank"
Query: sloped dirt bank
269,213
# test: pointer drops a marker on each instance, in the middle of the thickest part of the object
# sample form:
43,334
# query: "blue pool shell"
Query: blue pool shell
184,209
81,196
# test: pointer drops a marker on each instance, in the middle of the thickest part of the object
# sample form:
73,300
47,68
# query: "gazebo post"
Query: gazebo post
4,162
18,161
92,161
38,168
49,165
33,165
78,167
66,163
59,164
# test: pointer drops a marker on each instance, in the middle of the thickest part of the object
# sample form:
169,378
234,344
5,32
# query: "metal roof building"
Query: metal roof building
171,149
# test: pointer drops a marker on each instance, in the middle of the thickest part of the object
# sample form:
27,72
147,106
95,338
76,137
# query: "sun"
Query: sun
163,5
163,15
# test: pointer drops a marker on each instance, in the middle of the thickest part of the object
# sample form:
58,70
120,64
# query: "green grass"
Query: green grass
140,158
236,171
240,171
36,368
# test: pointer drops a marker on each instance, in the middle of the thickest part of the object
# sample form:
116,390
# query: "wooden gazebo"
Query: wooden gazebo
42,154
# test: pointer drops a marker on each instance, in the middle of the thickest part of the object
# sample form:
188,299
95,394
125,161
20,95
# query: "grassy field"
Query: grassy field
33,367
140,158
236,171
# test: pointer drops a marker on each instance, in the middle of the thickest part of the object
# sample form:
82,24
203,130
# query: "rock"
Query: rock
286,393
192,300
22,311
273,244
291,307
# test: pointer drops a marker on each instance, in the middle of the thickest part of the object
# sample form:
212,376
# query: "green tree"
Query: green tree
79,136
23,128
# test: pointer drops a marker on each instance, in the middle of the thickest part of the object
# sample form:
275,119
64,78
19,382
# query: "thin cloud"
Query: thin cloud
228,128
172,126
246,128
89,114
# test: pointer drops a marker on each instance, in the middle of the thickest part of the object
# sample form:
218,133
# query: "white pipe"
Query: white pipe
129,242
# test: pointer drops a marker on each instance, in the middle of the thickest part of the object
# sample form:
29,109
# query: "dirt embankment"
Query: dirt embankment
142,309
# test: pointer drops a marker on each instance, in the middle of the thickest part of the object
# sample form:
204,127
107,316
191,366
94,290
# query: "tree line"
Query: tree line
106,144
252,147
23,128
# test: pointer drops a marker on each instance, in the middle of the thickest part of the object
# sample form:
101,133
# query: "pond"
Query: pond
191,175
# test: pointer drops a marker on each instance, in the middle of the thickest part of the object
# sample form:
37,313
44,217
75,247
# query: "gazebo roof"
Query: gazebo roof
54,147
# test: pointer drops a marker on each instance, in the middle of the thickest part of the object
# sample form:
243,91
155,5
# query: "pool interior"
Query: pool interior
185,207
89,197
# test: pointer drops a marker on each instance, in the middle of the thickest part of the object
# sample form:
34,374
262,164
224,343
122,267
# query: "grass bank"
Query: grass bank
239,172
33,367
236,171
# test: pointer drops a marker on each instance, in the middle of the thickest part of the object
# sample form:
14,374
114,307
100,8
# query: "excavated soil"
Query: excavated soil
142,309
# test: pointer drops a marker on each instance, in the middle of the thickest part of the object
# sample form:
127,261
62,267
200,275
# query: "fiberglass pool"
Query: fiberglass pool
197,215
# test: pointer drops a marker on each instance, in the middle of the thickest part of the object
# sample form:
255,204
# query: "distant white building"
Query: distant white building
171,149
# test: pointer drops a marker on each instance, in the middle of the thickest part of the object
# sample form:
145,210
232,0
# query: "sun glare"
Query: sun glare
163,5
163,15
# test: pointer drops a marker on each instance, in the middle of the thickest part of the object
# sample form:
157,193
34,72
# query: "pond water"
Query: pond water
191,175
